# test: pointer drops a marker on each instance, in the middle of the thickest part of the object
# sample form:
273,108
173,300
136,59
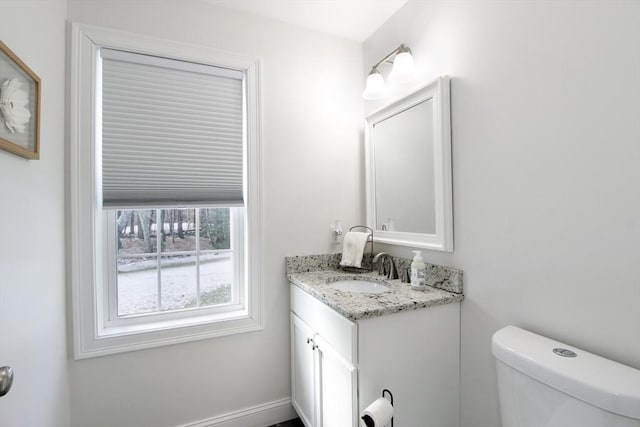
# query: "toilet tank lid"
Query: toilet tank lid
604,383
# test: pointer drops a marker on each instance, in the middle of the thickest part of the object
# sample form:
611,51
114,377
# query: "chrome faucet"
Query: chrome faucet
391,271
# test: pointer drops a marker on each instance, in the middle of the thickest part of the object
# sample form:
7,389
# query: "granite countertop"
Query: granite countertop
356,306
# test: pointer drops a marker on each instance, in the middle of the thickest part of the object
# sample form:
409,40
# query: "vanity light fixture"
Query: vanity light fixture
402,72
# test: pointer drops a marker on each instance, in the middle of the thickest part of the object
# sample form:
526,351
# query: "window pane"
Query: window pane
136,231
183,270
178,280
215,229
216,276
178,230
137,286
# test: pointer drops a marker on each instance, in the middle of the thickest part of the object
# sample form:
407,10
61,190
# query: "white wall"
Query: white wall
312,118
32,277
546,148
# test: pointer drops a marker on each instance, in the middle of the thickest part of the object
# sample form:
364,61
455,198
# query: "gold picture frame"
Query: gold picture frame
19,106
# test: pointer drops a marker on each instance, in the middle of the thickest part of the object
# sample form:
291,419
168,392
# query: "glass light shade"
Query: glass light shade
375,88
403,70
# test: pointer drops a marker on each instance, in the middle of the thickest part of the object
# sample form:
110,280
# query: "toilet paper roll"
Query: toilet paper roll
378,414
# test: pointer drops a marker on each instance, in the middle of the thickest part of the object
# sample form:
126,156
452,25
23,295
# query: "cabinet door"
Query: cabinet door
302,371
338,385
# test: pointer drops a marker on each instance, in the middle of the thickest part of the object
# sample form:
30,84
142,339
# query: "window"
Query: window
174,260
165,198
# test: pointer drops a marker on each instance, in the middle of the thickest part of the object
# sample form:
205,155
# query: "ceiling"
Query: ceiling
353,19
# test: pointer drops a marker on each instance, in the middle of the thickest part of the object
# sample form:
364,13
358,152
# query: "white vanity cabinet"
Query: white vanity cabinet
340,366
303,370
323,374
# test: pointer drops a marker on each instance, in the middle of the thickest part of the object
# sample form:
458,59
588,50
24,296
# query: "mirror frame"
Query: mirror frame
442,239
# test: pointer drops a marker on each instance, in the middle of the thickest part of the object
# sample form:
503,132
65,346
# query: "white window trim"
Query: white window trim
85,229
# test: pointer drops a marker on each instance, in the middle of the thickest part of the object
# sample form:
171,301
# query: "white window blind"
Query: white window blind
172,132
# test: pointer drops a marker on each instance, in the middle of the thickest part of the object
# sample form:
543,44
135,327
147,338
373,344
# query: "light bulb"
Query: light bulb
403,70
375,87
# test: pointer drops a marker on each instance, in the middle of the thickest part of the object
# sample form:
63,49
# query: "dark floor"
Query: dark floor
291,423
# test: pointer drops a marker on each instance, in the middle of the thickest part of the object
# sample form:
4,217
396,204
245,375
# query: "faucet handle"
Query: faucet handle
406,275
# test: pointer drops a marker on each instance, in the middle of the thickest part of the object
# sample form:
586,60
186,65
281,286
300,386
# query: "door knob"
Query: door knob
6,380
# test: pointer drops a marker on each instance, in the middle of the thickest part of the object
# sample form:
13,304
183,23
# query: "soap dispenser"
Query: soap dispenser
417,271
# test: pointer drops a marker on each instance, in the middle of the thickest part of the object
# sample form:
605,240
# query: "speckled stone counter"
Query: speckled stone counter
315,273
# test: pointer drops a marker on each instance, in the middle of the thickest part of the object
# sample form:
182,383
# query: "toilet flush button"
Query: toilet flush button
564,352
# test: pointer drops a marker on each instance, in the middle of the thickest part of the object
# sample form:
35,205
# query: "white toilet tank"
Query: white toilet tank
544,383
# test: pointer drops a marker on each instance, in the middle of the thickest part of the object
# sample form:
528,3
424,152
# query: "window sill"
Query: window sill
121,339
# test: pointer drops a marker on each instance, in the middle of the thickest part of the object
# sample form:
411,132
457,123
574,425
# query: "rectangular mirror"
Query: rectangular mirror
408,170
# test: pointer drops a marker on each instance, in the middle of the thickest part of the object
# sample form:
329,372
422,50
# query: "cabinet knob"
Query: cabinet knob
308,340
6,380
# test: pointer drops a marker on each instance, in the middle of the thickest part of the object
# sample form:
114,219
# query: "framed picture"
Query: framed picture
19,106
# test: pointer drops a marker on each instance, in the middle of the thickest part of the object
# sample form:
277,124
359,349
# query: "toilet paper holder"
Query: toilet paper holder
390,399
385,392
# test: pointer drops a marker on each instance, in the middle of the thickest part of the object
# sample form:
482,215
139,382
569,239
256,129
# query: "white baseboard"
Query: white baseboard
262,415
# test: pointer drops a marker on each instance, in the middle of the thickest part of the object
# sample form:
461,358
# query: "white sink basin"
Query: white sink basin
360,286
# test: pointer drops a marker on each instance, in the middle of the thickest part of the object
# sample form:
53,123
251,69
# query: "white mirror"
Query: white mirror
408,168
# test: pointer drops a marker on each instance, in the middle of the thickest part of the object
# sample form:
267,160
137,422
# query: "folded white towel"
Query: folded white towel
353,248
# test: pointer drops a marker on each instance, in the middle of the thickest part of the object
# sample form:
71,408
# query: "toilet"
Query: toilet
545,383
